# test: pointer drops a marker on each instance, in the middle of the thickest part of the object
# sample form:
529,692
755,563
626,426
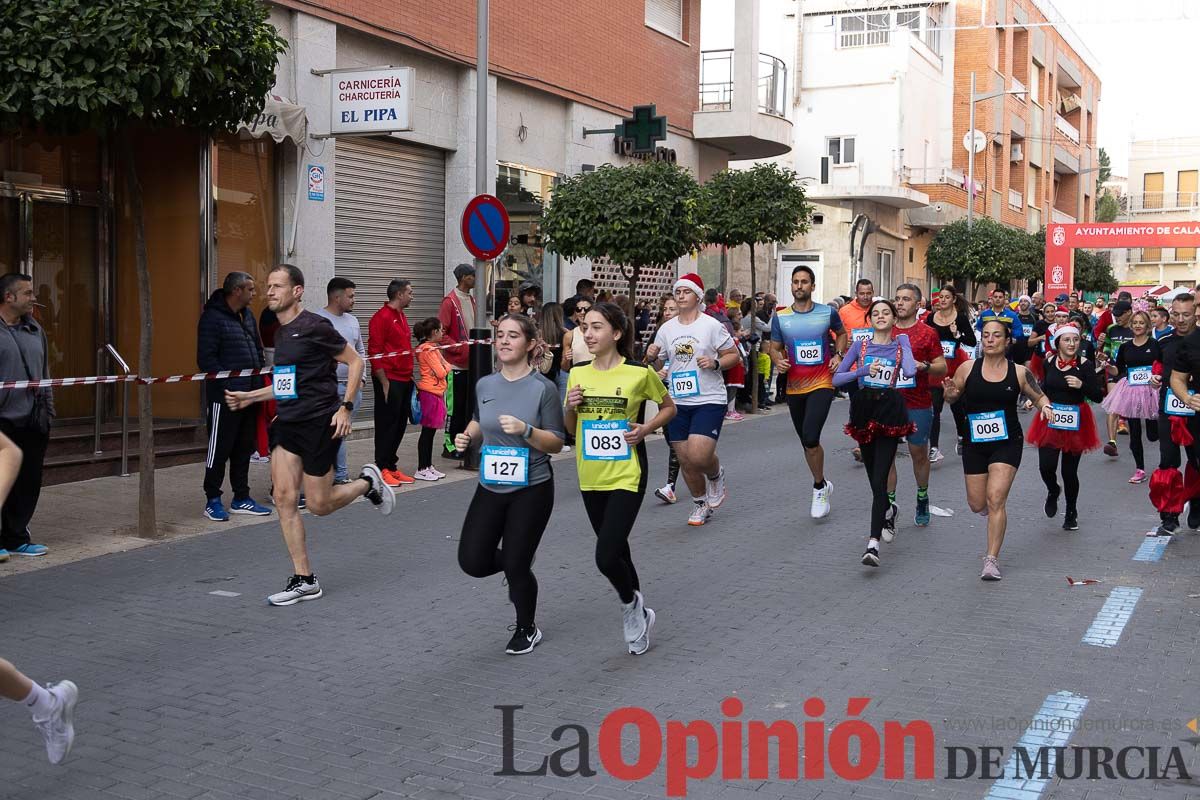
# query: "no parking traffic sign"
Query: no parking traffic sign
485,227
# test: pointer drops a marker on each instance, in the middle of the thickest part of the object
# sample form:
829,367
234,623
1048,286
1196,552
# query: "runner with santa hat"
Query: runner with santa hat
697,348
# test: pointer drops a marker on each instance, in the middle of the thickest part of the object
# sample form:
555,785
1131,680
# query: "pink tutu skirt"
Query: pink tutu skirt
433,409
1132,402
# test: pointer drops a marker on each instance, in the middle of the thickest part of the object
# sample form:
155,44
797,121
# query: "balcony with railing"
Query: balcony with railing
1162,203
1062,216
748,130
1066,129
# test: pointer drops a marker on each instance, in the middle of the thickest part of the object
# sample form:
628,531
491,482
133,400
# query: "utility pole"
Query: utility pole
479,355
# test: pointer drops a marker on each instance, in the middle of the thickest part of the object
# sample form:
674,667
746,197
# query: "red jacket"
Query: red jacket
1103,323
456,325
388,332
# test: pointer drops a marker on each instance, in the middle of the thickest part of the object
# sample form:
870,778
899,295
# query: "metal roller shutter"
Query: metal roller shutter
390,222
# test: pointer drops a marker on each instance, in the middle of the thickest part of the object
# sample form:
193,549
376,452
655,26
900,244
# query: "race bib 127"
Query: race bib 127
504,466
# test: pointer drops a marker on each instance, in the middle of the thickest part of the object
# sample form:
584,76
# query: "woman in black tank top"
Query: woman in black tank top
989,388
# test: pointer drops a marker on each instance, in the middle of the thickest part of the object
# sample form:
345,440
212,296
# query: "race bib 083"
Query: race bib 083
605,440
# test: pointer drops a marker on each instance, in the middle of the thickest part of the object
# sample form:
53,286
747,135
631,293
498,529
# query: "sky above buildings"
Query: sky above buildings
1147,53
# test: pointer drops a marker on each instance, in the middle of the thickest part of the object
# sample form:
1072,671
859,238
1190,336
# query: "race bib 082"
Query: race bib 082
283,383
808,353
605,440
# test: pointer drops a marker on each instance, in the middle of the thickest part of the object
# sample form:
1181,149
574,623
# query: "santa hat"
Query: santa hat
1058,330
692,282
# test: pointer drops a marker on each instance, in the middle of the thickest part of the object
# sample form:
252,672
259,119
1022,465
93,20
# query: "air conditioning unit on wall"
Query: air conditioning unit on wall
1015,153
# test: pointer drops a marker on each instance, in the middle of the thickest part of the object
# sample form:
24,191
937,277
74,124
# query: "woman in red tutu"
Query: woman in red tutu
1071,381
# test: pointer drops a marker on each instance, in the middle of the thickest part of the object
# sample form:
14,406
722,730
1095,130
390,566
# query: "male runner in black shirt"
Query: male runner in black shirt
309,424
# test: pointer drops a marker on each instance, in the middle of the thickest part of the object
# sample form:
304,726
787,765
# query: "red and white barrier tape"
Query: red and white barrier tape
199,376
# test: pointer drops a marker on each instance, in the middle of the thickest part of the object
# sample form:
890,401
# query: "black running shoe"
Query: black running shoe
1193,517
871,557
1071,520
1051,507
1169,525
523,640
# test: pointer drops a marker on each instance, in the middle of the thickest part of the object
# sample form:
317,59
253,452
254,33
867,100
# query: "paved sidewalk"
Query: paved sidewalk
99,516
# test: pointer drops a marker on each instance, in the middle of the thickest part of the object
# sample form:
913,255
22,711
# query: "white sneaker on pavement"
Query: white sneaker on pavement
715,489
59,729
700,513
820,500
426,474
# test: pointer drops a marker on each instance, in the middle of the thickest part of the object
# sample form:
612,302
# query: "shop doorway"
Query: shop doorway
54,236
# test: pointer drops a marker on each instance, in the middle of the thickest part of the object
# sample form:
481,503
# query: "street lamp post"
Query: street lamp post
976,98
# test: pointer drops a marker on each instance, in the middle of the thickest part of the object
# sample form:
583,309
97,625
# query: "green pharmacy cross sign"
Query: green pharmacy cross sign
643,131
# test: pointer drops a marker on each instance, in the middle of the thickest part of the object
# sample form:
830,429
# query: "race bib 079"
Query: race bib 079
605,440
988,426
504,466
283,383
685,384
1066,417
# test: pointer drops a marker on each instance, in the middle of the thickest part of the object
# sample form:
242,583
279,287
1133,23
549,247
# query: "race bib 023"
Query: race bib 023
504,466
988,426
605,440
861,333
283,383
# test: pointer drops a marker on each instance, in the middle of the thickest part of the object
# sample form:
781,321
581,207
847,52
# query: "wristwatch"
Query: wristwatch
346,404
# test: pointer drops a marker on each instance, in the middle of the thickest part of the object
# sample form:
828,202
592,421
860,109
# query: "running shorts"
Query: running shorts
977,457
310,439
809,411
923,419
701,420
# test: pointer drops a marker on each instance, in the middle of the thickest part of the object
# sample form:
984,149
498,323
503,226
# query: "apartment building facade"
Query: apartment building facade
881,109
1161,187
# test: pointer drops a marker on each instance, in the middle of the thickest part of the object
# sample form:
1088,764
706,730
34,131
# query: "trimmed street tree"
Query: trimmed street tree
639,215
765,203
73,65
989,252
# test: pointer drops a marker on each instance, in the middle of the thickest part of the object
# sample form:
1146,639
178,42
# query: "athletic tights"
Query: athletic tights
1135,439
501,534
960,416
1048,466
877,457
612,514
425,447
672,465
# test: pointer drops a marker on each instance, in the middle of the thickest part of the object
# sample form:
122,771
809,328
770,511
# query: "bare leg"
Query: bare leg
323,498
999,481
1112,427
919,453
815,456
977,492
287,474
13,684
10,465
698,459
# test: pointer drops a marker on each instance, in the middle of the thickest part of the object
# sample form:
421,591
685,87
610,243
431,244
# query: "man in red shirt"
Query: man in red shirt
931,366
392,378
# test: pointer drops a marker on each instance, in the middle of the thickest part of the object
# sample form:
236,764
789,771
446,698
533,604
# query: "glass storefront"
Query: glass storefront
525,192
245,211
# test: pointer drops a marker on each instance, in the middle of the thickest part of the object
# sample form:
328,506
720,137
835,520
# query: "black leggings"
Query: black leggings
960,416
501,534
1048,466
672,464
612,514
809,412
425,447
1135,439
877,457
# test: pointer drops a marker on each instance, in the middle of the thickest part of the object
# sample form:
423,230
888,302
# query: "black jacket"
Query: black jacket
225,340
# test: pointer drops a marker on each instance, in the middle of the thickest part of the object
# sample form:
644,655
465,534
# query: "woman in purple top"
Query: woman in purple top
878,417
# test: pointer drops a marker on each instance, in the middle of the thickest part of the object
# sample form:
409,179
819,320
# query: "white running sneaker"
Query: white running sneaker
700,513
380,494
666,494
59,729
820,501
716,490
426,474
297,590
642,643
633,617
935,455
437,472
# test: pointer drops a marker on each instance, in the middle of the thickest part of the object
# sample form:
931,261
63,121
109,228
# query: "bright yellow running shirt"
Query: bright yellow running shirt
612,399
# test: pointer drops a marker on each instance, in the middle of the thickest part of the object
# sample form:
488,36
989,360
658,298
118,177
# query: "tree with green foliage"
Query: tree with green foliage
1107,207
1105,169
75,65
639,215
988,252
765,203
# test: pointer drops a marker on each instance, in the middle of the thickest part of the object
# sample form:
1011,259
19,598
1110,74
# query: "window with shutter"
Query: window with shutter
665,16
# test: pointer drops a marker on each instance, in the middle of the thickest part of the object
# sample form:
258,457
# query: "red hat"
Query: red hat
691,281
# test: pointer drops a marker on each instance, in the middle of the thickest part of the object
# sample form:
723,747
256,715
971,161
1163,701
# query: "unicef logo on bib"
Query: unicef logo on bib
685,384
1139,376
504,466
283,383
883,378
1066,417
